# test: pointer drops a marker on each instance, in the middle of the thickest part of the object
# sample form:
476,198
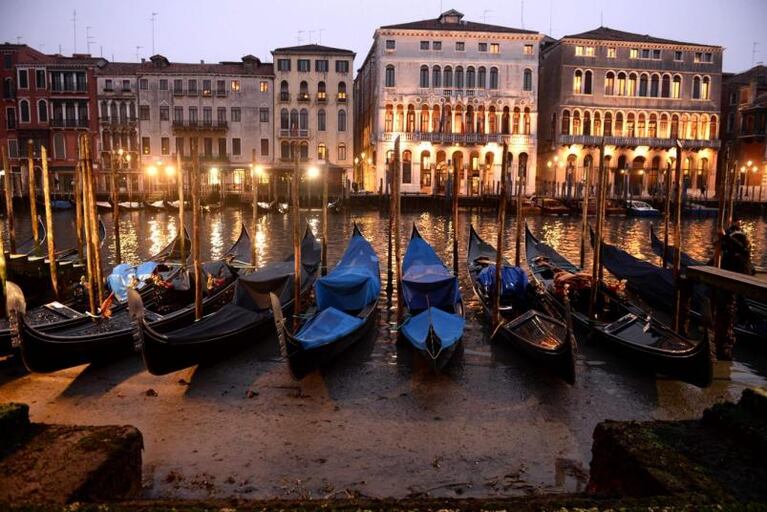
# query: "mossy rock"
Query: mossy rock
14,424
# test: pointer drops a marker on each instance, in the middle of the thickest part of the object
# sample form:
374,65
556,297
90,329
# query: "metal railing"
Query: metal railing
294,132
595,140
69,123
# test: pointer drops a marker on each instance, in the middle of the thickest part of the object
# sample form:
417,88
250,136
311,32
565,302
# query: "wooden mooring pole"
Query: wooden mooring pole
596,279
296,214
32,195
115,204
181,225
49,223
396,182
521,182
585,213
254,179
455,189
9,202
678,241
325,172
499,239
198,277
667,214
93,227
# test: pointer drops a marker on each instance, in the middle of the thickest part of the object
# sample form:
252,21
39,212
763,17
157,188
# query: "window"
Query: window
528,50
436,45
321,120
263,86
341,152
656,54
579,51
207,115
705,88
407,166
611,53
7,61
495,48
192,115
108,85
42,111
321,65
634,53
143,84
459,77
235,86
237,114
460,46
285,150
40,79
180,146
283,64
677,56
665,90
265,147
304,65
578,82
643,85
284,119
424,82
178,114
481,77
424,45
146,148
165,145
23,79
566,122
631,85
207,87
126,85
263,114
163,84
527,80
221,115
482,47
621,84
494,77
221,146
143,112
191,87
471,80
59,146
322,152
303,119
645,53
342,92
342,120
164,113
706,57
389,76
447,77
696,88
342,66
676,89
587,79
436,77
24,111
654,86
391,44
236,147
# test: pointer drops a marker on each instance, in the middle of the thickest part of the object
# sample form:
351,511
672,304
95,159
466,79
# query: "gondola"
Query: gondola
173,206
240,254
345,309
640,209
104,206
131,206
533,332
336,206
619,323
57,204
211,208
246,320
433,307
155,206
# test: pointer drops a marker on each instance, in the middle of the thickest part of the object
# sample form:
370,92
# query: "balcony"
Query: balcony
459,138
303,97
178,92
284,96
653,142
210,126
753,132
108,89
295,133
322,97
341,98
58,89
69,123
118,121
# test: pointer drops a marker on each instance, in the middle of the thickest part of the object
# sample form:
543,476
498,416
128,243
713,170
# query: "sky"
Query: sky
190,31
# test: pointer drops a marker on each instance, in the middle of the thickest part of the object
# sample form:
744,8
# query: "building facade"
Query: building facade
454,92
313,110
744,130
638,94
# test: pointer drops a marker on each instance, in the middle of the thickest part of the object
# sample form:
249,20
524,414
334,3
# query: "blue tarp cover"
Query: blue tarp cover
354,282
325,328
426,277
121,275
513,281
448,327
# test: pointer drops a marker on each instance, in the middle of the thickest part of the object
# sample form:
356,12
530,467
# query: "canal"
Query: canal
377,422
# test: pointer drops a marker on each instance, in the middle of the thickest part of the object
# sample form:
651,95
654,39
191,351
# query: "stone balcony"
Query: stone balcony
459,138
653,142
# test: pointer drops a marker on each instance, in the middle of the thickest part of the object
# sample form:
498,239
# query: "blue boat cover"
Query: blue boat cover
354,282
425,279
122,275
514,281
447,326
328,326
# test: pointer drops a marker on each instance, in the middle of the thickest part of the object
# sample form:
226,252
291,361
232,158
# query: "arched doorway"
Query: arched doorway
441,173
619,177
637,177
487,176
457,165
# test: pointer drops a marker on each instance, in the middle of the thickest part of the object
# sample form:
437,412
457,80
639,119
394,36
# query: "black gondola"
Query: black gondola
619,322
240,254
155,206
246,320
346,303
536,334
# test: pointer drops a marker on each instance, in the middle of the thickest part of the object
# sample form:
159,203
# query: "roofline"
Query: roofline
575,38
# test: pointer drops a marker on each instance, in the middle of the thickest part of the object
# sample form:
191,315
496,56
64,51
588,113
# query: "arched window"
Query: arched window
321,120
123,112
24,111
399,119
341,152
104,110
407,166
8,88
469,125
304,150
684,127
505,121
619,124
587,123
526,120
447,77
696,88
481,77
565,122
284,119
712,130
410,123
458,125
424,77
608,124
284,91
481,119
342,91
676,88
294,119
342,120
471,81
527,80
641,125
652,127
663,127
494,78
424,119
578,82
459,77
522,165
322,151
515,120
694,127
630,125
655,86
577,122
436,77
492,121
631,85
643,81
285,150
705,90
303,117
322,93
597,129
390,79
703,127
665,88
436,120
587,79
609,83
621,84
674,127
389,119
42,111
425,168
303,91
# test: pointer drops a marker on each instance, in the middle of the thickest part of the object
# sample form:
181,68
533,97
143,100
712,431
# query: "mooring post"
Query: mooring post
9,202
49,222
499,241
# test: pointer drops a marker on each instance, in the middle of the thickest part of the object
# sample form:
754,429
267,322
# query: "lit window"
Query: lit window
528,49
579,51
264,86
633,53
578,82
611,53
495,48
235,86
588,51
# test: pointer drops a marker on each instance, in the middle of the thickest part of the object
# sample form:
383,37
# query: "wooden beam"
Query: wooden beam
735,282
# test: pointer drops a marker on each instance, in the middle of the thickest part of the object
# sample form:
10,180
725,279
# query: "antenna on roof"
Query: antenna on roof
154,15
299,38
88,39
753,53
18,39
138,56
320,30
74,30
484,15
101,51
